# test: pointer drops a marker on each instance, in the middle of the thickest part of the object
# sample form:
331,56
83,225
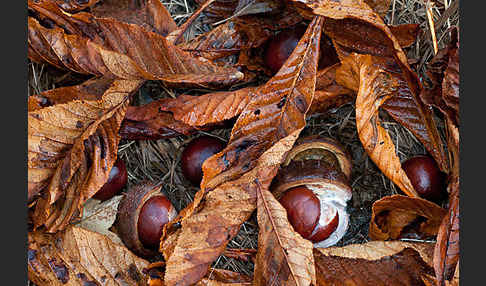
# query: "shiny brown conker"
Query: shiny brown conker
117,179
303,209
280,47
194,155
155,213
425,177
327,224
311,219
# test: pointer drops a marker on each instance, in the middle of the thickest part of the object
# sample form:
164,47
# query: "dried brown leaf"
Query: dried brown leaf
99,216
150,122
264,132
92,89
406,34
150,14
284,257
227,39
446,252
398,216
77,256
105,46
209,108
71,148
74,5
375,87
375,263
353,25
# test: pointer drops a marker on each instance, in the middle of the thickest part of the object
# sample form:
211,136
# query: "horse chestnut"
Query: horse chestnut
117,179
311,219
425,177
281,46
194,155
155,213
142,213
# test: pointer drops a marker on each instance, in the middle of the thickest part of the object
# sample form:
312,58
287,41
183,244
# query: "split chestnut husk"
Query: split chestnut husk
131,214
322,166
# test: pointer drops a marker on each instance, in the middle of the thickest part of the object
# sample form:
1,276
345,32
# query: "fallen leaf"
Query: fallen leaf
354,25
406,34
150,14
264,132
208,108
374,263
379,6
72,147
215,277
148,122
92,89
376,86
284,257
77,256
227,39
117,49
99,216
397,216
75,5
447,249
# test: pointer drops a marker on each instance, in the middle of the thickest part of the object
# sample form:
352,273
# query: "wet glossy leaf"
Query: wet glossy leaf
149,14
74,5
264,132
227,39
375,263
209,108
99,216
284,257
77,256
356,27
72,147
447,248
150,122
398,216
104,46
376,86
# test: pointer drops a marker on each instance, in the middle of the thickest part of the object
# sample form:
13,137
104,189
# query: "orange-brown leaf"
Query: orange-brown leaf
376,263
105,46
92,89
398,216
150,122
375,87
264,132
446,252
227,39
74,5
150,14
77,256
284,257
72,147
355,26
209,108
